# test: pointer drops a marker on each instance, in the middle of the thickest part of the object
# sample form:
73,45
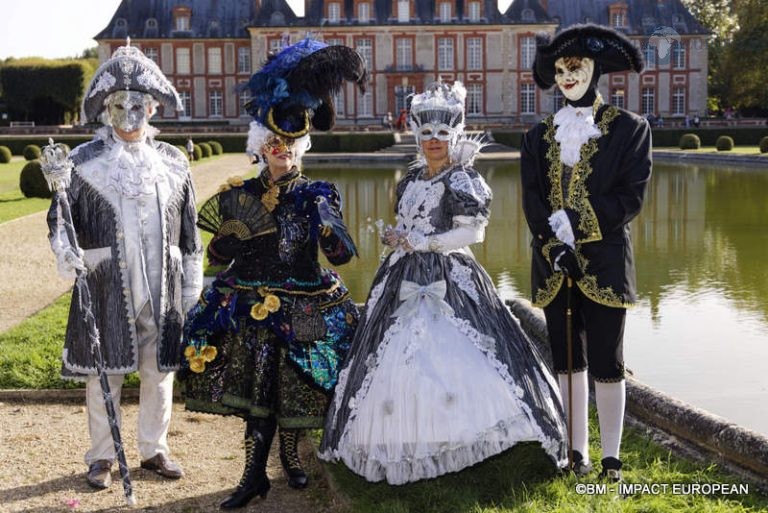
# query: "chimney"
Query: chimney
545,5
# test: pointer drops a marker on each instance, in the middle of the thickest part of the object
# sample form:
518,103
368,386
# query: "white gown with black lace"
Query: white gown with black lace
440,376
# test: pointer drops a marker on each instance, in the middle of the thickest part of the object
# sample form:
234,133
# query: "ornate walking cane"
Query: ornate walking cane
57,169
569,355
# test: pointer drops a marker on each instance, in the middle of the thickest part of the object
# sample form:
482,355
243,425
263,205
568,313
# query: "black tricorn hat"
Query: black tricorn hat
611,51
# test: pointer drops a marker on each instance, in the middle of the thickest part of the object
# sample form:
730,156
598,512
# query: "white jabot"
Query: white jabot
575,126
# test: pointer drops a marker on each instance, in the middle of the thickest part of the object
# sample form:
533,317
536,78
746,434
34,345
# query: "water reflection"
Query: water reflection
699,330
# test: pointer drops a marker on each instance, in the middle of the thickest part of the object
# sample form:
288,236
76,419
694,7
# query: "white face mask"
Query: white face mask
127,110
574,81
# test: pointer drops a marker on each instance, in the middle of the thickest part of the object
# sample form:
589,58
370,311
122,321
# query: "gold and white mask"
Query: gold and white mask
128,110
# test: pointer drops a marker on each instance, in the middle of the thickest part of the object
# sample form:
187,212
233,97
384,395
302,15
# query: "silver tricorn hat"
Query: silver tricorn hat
128,70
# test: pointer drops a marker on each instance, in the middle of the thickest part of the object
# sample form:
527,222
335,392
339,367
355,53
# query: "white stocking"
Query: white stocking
610,398
580,409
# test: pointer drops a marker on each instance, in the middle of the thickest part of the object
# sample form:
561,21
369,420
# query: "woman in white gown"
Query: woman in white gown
440,376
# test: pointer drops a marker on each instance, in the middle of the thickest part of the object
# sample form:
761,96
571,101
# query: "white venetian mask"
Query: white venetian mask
127,110
573,76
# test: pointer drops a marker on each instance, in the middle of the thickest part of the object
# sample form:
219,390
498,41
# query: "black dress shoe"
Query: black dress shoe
580,468
164,466
611,470
243,495
100,474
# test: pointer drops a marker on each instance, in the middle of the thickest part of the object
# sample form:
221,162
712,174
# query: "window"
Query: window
474,99
243,60
617,97
678,55
445,53
334,12
558,100
275,45
214,61
215,103
401,97
617,18
365,48
649,52
364,12
182,23
242,100
186,102
152,54
527,52
648,98
678,101
474,11
445,12
527,98
338,103
527,15
404,54
365,105
403,11
182,61
474,53
332,41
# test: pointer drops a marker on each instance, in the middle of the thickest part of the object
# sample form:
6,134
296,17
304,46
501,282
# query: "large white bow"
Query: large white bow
433,296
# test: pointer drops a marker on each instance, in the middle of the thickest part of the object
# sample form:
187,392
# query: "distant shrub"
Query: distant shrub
217,148
197,151
183,150
31,152
724,143
32,183
5,154
207,150
764,144
690,142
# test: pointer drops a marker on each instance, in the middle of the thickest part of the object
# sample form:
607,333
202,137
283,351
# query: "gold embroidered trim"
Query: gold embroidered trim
551,287
588,284
549,245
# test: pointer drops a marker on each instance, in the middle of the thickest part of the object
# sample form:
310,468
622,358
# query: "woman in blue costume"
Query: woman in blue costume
440,376
266,340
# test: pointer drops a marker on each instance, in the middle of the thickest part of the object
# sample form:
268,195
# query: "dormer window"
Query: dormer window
364,12
445,12
618,15
403,11
473,11
182,19
334,12
527,15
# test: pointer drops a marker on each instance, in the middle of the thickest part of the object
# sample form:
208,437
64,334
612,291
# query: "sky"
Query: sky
64,28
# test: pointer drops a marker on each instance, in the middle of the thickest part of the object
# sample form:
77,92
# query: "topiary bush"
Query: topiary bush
207,150
31,181
690,142
216,146
764,144
31,152
724,143
5,154
183,150
197,151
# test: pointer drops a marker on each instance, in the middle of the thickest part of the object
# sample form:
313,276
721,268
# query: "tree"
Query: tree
746,59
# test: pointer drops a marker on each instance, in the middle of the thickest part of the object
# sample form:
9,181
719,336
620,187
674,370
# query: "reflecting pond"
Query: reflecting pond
700,329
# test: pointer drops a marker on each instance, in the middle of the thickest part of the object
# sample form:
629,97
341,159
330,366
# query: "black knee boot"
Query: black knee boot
289,457
258,439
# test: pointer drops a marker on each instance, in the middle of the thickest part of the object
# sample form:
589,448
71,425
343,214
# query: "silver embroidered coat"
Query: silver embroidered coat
96,200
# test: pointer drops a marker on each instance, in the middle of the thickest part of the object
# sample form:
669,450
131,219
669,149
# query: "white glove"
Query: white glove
68,262
416,241
187,302
561,225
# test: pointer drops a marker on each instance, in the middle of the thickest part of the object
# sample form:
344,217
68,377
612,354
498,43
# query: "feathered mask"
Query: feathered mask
294,89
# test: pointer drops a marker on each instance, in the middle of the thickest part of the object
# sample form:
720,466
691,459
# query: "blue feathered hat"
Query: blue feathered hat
294,89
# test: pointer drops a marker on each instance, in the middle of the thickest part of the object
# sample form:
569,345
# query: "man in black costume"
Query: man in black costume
584,172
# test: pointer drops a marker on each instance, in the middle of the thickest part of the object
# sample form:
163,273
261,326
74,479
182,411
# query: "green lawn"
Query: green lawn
522,480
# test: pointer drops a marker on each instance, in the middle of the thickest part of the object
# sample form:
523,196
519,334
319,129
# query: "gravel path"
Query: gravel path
42,468
29,281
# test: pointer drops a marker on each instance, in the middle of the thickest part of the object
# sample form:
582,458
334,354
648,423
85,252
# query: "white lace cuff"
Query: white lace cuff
418,241
561,225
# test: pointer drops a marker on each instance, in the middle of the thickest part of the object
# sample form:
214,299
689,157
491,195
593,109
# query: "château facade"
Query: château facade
208,47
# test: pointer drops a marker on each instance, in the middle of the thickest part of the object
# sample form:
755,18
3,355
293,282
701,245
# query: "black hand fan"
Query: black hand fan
236,212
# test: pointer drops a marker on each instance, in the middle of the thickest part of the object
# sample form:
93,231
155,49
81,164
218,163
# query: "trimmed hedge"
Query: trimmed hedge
207,150
511,139
32,183
5,154
31,152
708,136
690,142
197,151
17,144
183,150
216,146
724,143
764,144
